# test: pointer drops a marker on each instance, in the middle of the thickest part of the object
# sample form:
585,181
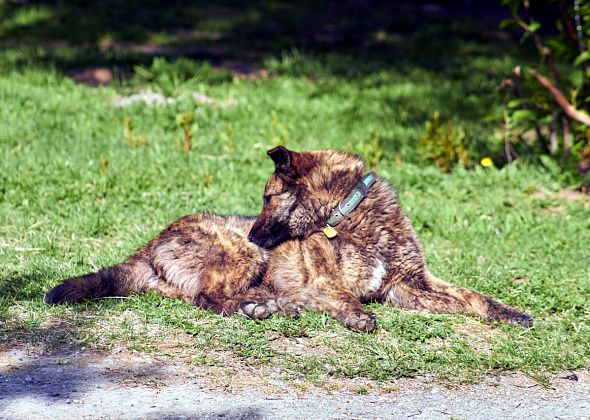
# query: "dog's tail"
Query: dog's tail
120,280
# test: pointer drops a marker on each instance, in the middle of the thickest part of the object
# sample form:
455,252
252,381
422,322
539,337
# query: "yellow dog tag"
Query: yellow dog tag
329,231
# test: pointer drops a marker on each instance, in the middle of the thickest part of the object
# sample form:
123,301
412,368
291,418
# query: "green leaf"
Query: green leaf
495,114
515,103
524,37
534,27
513,5
546,120
576,78
522,115
506,23
585,56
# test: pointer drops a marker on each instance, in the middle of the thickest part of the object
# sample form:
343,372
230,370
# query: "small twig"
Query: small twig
187,139
214,157
565,126
568,108
506,137
579,29
553,142
567,24
34,225
526,386
444,412
517,72
543,49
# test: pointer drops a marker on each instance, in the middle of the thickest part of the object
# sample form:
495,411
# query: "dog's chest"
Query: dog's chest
362,271
377,276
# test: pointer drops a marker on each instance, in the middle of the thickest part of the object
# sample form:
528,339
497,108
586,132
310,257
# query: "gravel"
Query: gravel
89,385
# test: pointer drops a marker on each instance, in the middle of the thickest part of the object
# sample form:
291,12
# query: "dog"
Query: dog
330,237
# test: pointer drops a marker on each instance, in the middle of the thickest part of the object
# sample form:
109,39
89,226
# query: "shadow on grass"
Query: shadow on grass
29,286
36,361
51,366
48,357
242,35
52,362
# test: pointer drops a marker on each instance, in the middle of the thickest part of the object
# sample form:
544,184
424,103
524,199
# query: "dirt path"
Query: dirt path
85,384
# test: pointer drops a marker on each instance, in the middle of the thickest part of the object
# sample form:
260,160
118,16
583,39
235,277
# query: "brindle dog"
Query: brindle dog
285,260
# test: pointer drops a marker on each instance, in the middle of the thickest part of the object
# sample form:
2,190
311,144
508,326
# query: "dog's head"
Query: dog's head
300,194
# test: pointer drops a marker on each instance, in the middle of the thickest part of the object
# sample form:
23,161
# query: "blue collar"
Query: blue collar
349,204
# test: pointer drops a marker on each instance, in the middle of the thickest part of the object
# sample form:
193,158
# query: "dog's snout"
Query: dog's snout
254,237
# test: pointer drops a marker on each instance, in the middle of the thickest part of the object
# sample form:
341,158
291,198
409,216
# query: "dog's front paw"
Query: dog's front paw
283,306
288,308
254,310
361,322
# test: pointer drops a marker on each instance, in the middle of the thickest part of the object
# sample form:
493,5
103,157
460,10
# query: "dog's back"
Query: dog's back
204,259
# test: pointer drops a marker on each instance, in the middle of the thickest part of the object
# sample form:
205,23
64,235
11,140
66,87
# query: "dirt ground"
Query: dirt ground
87,384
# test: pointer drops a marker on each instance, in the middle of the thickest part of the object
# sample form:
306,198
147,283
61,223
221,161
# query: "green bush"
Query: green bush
169,75
443,144
543,106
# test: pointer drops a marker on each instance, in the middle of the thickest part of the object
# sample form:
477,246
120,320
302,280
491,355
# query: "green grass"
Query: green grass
490,230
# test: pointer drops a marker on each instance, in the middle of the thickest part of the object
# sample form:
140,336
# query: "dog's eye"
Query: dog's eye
266,199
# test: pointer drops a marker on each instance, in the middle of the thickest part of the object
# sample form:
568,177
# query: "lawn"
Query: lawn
74,197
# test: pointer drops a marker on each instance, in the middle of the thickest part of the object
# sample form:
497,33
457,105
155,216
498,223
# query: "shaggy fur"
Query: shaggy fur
282,262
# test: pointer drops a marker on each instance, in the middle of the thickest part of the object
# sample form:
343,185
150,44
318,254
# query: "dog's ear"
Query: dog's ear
284,162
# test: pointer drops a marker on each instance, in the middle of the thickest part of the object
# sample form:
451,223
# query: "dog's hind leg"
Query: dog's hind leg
216,298
208,266
167,290
431,294
257,302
